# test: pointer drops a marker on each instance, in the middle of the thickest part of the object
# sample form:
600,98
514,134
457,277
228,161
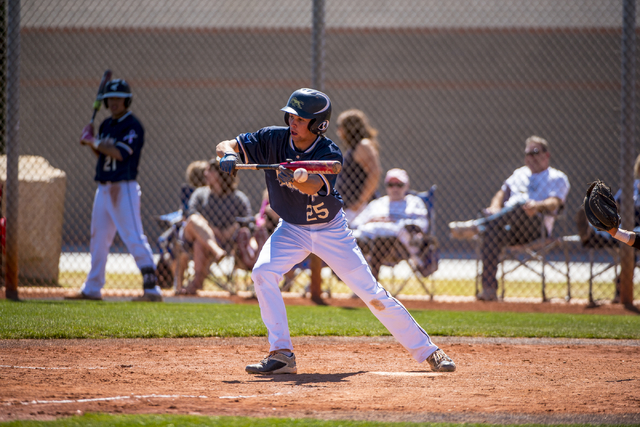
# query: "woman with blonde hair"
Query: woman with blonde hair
358,181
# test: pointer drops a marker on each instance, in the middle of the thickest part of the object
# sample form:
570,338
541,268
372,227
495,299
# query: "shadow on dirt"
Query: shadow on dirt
302,379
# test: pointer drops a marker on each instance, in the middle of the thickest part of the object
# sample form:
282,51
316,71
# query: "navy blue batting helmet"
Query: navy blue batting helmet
117,88
310,104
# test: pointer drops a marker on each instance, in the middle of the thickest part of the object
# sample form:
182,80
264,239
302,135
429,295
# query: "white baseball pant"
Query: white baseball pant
332,242
116,207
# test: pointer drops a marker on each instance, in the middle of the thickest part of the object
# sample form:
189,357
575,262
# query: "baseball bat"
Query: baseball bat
98,102
312,166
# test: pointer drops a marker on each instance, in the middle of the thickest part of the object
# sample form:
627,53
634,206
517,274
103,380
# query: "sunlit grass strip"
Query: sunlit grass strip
157,420
99,319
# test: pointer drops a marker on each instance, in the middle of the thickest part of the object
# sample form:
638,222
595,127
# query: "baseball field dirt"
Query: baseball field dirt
498,380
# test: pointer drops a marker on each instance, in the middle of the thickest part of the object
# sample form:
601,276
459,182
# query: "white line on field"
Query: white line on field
102,399
43,368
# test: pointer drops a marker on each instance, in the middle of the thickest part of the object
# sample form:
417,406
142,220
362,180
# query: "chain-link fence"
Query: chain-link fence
453,89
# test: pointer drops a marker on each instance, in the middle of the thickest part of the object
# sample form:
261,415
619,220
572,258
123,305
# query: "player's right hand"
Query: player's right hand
285,175
228,162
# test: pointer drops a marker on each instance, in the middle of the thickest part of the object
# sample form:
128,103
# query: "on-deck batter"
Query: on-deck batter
116,206
312,221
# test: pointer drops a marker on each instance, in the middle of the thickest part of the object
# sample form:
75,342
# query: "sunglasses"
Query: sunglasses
395,184
533,152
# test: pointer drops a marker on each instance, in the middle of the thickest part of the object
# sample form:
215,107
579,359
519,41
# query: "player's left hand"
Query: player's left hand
285,175
228,163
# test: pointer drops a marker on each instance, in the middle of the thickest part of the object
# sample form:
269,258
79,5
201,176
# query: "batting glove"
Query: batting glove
87,137
87,131
228,163
285,175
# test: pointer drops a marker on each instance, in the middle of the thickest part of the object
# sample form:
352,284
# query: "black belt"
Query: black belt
114,182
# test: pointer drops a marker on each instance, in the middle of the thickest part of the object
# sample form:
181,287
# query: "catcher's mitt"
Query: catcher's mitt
600,207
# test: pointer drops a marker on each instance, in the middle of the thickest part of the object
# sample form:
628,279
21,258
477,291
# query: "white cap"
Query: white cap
399,174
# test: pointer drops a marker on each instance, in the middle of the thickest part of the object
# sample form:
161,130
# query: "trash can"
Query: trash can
41,193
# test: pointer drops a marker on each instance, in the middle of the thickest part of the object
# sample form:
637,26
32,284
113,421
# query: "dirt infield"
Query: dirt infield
352,378
497,380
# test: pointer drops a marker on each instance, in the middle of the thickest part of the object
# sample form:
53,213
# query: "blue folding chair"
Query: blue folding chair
429,253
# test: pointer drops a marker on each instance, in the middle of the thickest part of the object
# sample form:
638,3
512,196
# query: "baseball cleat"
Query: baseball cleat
82,295
274,363
148,297
440,362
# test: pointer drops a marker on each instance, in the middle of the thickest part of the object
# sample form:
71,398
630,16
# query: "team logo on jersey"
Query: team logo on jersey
130,137
297,103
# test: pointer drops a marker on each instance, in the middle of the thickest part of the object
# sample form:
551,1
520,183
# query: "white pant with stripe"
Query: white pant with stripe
334,244
116,208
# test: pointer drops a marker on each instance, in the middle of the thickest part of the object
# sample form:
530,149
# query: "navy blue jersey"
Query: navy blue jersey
273,145
128,136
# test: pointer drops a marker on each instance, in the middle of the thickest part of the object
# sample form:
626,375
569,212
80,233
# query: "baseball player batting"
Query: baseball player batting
312,221
116,206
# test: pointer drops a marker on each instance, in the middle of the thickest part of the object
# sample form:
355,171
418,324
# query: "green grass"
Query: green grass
99,420
43,319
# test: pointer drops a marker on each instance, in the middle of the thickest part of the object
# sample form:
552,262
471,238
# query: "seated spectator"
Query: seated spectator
398,215
212,230
195,179
513,216
179,259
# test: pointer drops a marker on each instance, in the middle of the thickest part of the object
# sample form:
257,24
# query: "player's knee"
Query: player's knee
261,275
258,273
196,222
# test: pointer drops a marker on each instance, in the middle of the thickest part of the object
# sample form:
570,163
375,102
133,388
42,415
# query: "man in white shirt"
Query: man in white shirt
398,215
532,194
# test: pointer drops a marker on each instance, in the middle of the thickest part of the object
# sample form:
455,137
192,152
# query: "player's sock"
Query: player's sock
149,278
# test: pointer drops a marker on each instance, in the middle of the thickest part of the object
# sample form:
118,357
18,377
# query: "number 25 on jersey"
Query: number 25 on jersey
316,212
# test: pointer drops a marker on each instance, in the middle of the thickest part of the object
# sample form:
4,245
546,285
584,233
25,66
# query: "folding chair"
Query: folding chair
397,253
595,244
529,256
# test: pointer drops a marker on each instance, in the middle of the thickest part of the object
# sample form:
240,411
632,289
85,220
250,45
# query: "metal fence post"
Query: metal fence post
627,145
13,124
3,73
317,46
